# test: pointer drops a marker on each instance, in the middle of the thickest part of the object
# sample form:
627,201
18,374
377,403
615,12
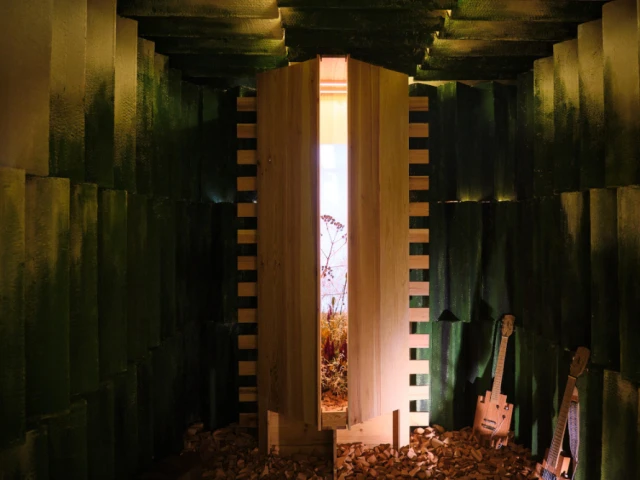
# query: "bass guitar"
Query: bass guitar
555,463
493,413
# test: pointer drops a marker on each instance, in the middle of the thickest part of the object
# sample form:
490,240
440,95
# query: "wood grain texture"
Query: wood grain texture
247,157
418,104
246,104
378,243
288,287
247,210
419,157
247,130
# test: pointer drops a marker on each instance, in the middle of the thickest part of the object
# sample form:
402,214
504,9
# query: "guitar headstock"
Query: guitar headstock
507,325
579,362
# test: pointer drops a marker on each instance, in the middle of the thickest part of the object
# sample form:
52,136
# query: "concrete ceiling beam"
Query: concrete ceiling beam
528,10
209,27
359,19
223,45
489,48
199,8
369,4
512,30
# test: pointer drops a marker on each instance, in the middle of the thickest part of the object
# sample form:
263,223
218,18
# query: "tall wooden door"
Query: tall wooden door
288,277
378,376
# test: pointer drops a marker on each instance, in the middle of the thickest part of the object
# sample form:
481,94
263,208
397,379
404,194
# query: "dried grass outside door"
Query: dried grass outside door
378,376
288,211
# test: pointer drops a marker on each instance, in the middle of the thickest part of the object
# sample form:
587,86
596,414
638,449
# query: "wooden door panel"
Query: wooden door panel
288,280
378,241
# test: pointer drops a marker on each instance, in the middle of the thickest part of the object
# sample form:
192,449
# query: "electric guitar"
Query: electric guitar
493,413
556,464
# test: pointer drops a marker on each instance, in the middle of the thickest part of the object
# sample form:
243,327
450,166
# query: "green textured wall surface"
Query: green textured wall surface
83,280
591,91
125,104
439,268
443,164
12,321
175,153
27,460
590,454
126,422
543,126
504,147
619,427
100,432
629,280
112,281
145,410
161,127
575,284
100,91
68,457
566,111
525,136
621,92
190,151
25,47
68,55
145,97
605,334
154,280
138,319
47,291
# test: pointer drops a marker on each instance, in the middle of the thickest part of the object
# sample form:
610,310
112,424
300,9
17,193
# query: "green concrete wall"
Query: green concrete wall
114,261
562,255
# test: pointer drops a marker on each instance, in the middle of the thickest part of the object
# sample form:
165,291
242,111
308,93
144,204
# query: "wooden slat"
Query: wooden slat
246,369
288,283
419,419
247,130
419,157
418,314
247,342
334,420
249,157
248,394
246,104
419,209
418,288
419,392
247,210
248,184
378,211
419,340
246,237
248,263
418,104
418,183
247,315
419,367
249,420
419,235
247,289
418,130
415,262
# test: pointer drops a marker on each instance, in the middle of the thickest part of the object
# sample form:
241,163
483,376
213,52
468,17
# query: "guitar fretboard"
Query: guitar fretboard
497,381
561,425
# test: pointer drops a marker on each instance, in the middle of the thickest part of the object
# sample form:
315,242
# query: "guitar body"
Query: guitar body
560,470
493,420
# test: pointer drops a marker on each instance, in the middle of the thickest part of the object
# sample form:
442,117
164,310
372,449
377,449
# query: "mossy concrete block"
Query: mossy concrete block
126,422
545,393
161,127
137,277
12,321
165,211
125,104
591,132
566,175
619,427
47,287
544,132
184,284
100,92
165,376
444,164
29,460
83,273
190,155
523,398
25,47
605,334
144,116
621,93
112,281
176,151
101,433
154,281
225,267
590,387
68,55
629,281
193,372
524,300
575,304
505,146
68,455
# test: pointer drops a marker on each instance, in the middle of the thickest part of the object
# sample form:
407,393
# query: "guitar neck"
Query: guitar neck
561,425
497,381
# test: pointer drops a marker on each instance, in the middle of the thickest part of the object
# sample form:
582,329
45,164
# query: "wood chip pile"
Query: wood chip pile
437,455
232,453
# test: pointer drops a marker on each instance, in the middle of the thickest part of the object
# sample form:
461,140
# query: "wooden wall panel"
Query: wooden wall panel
287,132
378,242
